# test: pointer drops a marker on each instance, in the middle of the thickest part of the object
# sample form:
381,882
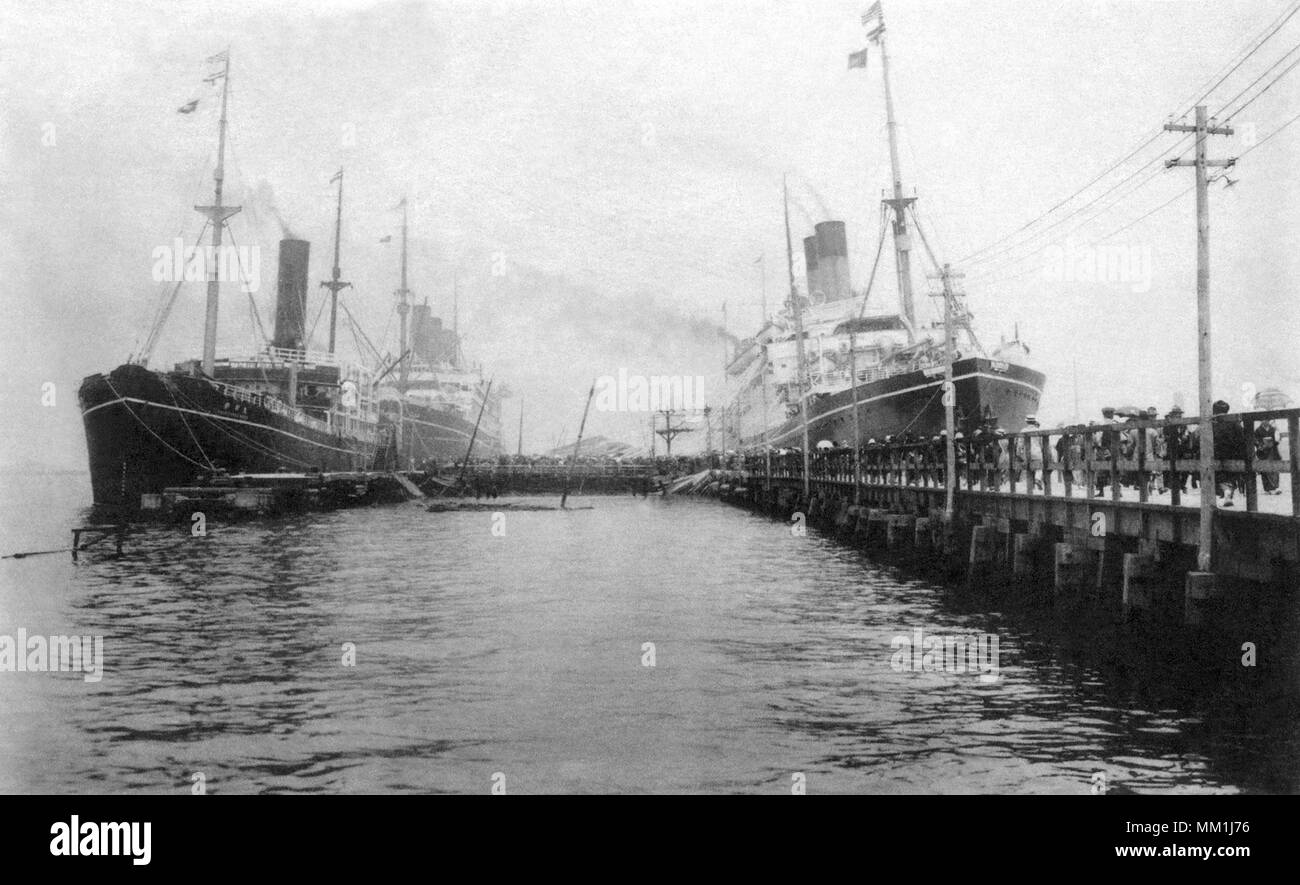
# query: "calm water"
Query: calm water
523,655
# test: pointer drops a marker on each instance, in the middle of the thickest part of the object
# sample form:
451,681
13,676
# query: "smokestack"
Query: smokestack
833,259
421,331
813,266
291,295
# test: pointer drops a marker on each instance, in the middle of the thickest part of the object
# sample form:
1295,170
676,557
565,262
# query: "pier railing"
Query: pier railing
1144,461
560,470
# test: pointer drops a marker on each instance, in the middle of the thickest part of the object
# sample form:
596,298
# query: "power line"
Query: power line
1270,30
1154,210
1266,88
1229,102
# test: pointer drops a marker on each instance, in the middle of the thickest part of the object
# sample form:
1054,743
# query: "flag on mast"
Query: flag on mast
337,176
188,107
858,59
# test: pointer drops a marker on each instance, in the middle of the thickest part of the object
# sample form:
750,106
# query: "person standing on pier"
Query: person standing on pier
1104,442
1266,449
1176,449
1002,453
1154,447
1034,451
938,456
1229,445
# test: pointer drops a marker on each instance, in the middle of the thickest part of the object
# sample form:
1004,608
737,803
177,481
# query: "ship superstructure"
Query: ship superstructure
838,367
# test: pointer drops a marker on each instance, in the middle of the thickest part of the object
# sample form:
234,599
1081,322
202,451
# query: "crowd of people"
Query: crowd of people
985,456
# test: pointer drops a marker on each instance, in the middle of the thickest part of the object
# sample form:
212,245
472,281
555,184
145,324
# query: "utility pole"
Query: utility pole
798,341
1203,130
949,387
519,451
708,430
669,433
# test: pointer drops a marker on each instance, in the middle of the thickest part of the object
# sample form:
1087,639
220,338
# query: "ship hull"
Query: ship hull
988,393
436,438
148,430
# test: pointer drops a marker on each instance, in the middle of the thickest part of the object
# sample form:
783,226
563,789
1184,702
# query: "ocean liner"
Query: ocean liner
869,370
283,408
437,408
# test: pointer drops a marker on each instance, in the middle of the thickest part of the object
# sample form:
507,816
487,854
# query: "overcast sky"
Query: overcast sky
619,166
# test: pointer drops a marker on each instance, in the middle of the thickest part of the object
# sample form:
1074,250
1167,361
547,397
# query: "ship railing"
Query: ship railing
1150,461
272,404
295,355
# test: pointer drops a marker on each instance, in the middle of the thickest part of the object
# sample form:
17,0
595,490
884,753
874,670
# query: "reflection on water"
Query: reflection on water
524,655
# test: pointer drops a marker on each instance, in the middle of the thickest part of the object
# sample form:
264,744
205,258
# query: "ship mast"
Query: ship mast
797,313
403,308
336,284
217,214
899,203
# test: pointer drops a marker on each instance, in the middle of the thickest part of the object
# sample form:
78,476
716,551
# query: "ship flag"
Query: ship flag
858,59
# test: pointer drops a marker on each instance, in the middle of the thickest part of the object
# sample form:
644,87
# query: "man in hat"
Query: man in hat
1266,450
1175,445
1104,442
939,458
1035,452
1154,447
1229,445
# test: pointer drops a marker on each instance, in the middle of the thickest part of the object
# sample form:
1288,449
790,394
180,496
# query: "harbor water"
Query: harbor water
644,645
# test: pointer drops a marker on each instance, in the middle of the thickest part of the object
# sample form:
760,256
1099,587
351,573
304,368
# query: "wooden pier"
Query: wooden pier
272,494
1088,508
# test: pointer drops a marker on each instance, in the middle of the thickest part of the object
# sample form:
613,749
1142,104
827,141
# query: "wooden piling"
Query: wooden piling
1199,594
1139,583
900,531
1070,570
1024,557
983,552
877,534
922,537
